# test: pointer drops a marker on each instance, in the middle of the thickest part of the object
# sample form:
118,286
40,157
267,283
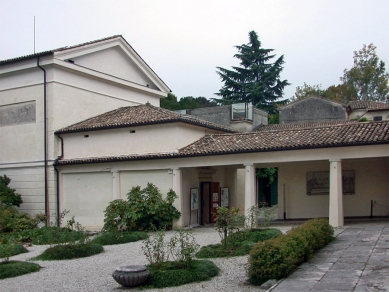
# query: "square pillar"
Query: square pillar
178,203
249,187
115,184
336,217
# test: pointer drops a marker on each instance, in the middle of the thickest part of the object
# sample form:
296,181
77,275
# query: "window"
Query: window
377,118
242,111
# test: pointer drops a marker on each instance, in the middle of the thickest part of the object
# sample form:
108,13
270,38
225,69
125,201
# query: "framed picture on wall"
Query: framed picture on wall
194,199
224,197
318,183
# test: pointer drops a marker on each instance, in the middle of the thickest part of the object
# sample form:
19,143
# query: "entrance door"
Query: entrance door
210,199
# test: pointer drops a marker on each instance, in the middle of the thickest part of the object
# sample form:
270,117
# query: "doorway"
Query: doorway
210,200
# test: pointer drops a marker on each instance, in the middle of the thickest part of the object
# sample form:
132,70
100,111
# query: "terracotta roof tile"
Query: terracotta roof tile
281,127
136,116
350,134
367,104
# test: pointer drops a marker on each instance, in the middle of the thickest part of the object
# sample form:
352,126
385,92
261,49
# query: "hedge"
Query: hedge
278,257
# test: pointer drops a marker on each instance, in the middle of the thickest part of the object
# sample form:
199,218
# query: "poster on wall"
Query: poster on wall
194,199
224,197
318,183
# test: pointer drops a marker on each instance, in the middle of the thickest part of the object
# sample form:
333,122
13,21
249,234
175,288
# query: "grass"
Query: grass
15,268
239,244
110,238
171,274
70,251
10,249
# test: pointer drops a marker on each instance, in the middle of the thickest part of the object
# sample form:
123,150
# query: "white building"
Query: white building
44,92
106,133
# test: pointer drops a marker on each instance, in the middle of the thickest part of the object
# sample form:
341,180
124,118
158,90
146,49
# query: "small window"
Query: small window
377,118
132,131
86,136
242,111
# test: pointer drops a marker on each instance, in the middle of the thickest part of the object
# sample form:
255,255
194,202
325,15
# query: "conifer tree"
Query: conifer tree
256,80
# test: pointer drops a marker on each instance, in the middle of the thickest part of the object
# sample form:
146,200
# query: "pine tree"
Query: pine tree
256,80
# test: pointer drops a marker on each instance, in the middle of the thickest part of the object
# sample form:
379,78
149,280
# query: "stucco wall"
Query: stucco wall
86,195
146,139
161,178
312,109
371,183
218,114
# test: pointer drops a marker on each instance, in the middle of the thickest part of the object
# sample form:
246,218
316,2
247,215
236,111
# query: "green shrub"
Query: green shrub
54,235
8,196
15,268
110,238
183,247
241,245
276,258
70,251
12,220
10,249
227,222
145,209
172,274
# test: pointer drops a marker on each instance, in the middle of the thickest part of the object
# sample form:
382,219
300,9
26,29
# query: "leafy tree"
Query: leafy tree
256,80
187,102
367,79
8,196
170,102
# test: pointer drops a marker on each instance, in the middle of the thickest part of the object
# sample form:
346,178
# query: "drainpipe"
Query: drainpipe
57,186
45,142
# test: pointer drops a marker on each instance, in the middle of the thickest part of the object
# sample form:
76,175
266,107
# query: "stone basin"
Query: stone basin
131,275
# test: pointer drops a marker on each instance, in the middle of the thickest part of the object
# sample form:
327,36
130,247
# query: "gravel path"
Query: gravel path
94,273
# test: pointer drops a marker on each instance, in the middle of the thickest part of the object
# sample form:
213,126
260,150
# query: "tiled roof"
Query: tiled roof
350,134
367,104
277,127
136,116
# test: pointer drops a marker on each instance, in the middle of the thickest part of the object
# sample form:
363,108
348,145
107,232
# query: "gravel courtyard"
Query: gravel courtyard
94,273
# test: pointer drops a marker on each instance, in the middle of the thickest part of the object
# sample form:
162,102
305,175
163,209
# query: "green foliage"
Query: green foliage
188,102
171,274
276,258
8,196
367,79
53,235
183,248
274,119
227,222
269,173
241,243
70,251
111,238
145,209
11,219
15,268
256,80
10,249
155,249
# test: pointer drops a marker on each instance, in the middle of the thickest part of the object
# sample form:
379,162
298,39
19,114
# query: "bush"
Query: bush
15,268
145,209
183,248
110,238
8,196
243,242
276,258
10,249
171,273
70,251
54,235
12,220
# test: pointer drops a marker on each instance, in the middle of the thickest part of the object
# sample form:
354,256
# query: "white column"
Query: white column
336,218
178,203
249,187
115,184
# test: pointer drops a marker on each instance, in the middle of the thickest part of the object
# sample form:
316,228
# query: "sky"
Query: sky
184,41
